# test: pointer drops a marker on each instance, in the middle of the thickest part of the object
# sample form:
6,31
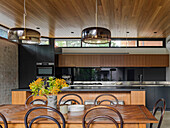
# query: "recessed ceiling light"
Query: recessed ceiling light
72,32
155,32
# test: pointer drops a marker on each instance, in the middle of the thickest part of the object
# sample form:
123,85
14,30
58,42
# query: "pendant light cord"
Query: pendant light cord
126,39
25,14
96,13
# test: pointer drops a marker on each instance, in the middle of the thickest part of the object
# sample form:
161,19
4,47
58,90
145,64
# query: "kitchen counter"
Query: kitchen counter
123,83
105,87
92,89
130,92
111,86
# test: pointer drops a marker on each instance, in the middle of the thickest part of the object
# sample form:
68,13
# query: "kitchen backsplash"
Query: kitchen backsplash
113,74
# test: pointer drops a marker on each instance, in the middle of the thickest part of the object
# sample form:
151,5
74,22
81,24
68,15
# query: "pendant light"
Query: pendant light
26,35
96,35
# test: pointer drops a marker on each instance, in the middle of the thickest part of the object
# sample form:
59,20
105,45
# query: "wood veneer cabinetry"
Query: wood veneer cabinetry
79,61
19,97
110,60
129,97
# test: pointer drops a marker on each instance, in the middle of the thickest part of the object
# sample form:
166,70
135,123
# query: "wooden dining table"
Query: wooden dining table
134,116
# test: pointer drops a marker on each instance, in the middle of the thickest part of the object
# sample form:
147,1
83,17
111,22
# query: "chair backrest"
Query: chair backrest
107,100
44,116
41,100
4,120
161,108
79,97
103,116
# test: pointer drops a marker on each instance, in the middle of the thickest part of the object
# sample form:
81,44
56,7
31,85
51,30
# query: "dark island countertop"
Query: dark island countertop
102,86
92,90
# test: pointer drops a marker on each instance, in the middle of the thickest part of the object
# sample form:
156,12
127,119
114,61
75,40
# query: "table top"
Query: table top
131,114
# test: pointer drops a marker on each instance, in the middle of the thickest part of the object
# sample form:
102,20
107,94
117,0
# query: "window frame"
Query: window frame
151,39
128,39
125,39
68,39
3,28
44,38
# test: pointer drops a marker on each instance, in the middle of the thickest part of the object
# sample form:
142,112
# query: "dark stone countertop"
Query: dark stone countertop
90,90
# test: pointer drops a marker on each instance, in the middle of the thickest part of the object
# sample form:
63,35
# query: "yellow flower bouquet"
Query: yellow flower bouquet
47,87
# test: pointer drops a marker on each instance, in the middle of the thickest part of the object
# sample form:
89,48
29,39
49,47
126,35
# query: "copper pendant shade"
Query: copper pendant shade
27,35
96,35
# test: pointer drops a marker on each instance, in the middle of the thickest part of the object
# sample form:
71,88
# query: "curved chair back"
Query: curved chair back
102,116
161,108
79,97
44,116
27,100
107,100
4,120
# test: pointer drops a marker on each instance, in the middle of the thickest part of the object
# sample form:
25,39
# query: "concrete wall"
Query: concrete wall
168,68
8,70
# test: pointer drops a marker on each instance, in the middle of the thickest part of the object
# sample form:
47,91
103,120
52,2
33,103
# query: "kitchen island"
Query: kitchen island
131,92
128,95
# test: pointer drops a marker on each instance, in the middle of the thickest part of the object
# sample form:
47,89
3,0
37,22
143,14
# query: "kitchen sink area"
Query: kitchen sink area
117,84
103,87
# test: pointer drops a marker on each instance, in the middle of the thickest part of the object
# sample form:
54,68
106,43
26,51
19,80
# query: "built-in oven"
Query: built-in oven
45,69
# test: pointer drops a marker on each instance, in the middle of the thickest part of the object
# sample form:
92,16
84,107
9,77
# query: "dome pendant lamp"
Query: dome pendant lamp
26,35
96,35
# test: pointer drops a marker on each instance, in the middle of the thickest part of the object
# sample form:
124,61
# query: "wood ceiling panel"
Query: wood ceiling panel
58,18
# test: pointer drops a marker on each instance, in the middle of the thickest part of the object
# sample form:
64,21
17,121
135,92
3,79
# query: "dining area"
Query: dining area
72,113
84,64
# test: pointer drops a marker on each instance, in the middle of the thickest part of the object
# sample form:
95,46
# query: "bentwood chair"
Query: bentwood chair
112,101
44,117
111,118
41,100
4,121
68,100
159,105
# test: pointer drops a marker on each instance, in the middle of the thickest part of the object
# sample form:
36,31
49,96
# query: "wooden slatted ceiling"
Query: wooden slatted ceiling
58,18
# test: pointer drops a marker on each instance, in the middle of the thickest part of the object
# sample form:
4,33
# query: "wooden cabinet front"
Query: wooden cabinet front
108,60
129,97
79,61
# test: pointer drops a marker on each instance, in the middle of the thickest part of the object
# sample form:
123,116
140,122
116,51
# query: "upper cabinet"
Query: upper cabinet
79,61
113,60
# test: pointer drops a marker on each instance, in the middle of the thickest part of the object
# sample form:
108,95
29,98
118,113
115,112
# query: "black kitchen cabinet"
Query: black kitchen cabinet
27,67
29,55
155,93
45,53
163,92
150,97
